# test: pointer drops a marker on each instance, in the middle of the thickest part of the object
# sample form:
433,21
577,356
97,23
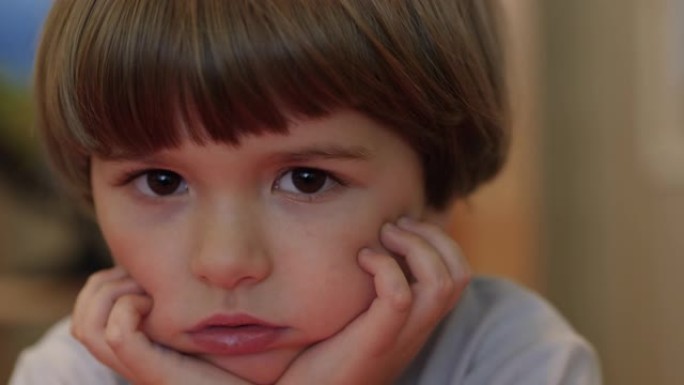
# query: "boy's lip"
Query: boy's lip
234,334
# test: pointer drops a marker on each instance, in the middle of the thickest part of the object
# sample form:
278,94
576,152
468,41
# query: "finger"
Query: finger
92,290
434,289
390,283
425,262
96,280
91,311
125,339
452,256
93,308
387,314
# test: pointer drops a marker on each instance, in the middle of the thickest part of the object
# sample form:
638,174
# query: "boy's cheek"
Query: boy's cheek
146,261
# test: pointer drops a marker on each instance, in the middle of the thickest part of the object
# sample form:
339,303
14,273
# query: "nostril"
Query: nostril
228,272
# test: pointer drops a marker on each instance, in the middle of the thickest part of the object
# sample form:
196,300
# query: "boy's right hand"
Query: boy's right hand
107,320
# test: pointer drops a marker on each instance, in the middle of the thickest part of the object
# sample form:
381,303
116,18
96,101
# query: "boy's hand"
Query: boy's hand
107,320
375,347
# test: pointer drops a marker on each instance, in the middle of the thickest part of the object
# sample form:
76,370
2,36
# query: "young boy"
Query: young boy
271,178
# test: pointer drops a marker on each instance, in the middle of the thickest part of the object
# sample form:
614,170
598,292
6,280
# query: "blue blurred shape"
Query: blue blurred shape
20,24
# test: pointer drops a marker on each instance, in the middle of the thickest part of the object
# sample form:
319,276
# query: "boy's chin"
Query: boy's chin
260,368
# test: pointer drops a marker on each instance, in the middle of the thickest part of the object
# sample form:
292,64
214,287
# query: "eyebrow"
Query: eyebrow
309,153
324,152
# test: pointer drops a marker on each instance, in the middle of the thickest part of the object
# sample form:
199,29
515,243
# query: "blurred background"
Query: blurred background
589,210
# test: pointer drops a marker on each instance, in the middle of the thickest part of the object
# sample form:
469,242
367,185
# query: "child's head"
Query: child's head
121,77
240,154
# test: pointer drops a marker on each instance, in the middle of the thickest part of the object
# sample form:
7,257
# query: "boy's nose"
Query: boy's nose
230,250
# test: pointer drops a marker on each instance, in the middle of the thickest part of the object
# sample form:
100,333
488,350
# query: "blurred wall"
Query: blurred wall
613,157
44,245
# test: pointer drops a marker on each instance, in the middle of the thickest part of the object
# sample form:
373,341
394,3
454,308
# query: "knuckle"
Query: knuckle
102,276
388,264
466,279
95,279
459,287
401,298
76,332
113,338
111,287
416,246
462,281
444,287
125,300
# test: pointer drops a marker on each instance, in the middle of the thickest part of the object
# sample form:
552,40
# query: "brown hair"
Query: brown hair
125,77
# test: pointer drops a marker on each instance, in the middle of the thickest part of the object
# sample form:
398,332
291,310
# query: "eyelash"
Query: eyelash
128,177
338,183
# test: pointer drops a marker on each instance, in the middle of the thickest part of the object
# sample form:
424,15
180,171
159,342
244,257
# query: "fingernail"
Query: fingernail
365,251
364,254
405,222
391,227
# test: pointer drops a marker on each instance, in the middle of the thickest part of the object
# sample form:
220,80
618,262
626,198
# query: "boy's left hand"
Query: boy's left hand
376,346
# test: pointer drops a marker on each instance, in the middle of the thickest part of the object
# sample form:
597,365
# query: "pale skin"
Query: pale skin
354,267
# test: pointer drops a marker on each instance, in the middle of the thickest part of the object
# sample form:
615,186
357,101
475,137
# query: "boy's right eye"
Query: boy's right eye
160,183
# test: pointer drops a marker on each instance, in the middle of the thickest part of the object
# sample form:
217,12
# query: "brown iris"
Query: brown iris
163,182
308,180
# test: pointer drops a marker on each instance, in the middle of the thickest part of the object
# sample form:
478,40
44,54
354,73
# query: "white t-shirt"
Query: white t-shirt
500,334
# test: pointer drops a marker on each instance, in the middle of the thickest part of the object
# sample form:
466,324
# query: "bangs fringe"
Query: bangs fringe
155,73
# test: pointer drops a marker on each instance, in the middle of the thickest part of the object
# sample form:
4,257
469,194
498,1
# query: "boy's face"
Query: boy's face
250,252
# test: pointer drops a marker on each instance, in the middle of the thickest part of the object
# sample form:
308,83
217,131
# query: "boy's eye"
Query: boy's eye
160,183
305,181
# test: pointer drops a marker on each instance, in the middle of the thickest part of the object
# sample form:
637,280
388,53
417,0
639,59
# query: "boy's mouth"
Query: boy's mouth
234,334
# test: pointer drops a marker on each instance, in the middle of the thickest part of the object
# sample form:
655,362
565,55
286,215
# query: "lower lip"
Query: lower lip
240,340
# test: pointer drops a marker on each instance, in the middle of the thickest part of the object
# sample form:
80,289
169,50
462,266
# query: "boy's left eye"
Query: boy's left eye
307,181
160,183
